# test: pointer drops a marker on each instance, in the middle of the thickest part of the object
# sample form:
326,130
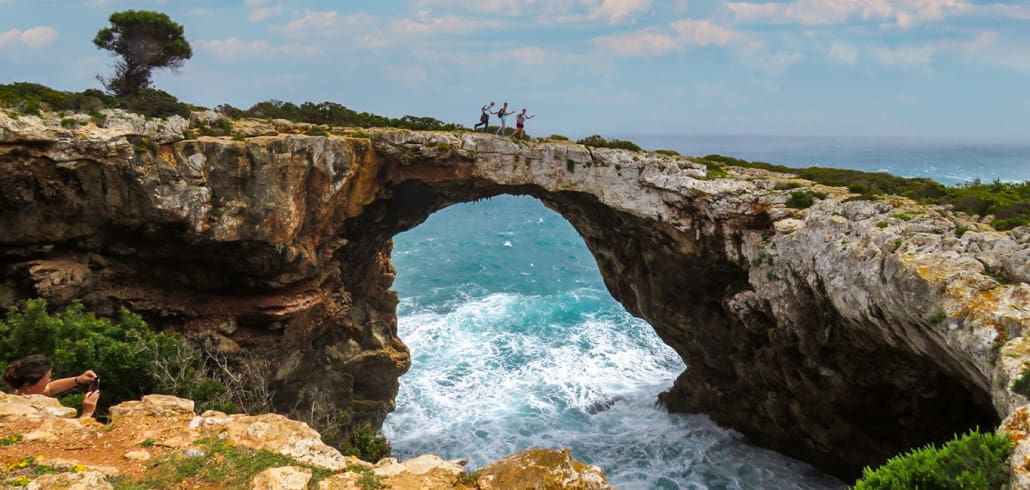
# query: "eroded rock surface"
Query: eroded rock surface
840,334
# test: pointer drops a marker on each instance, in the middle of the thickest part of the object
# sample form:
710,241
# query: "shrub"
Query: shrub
961,230
366,443
188,134
126,353
599,142
557,137
316,131
68,122
238,137
671,153
570,165
973,460
154,103
803,199
1022,384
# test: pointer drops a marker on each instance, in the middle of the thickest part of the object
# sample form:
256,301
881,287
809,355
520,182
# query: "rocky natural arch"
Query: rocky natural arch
817,332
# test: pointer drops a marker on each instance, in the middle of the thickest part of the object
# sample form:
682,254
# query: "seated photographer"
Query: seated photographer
31,376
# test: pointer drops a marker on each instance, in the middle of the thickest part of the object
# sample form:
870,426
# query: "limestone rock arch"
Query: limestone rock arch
818,332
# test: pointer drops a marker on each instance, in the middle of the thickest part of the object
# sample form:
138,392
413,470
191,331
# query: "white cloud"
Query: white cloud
34,37
616,11
233,49
637,44
428,25
901,13
682,34
328,24
264,13
843,52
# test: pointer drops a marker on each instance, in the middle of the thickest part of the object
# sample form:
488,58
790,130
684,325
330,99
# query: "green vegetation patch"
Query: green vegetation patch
1009,203
973,460
366,443
333,114
132,359
31,98
670,153
1022,384
230,466
599,141
803,199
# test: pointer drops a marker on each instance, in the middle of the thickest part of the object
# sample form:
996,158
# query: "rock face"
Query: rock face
840,334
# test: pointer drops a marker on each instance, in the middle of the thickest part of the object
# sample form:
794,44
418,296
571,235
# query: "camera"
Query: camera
94,385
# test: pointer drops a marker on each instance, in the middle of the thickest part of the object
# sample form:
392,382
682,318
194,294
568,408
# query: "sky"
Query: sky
872,68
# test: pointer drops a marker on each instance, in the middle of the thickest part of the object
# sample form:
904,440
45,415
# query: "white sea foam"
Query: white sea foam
507,372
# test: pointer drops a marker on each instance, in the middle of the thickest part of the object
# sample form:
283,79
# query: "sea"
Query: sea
517,344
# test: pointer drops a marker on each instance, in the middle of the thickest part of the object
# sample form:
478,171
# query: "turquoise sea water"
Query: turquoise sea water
516,343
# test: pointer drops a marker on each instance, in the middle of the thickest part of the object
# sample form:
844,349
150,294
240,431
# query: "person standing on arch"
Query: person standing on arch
484,118
502,114
520,124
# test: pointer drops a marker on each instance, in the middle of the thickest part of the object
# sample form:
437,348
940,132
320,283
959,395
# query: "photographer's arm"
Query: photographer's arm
64,384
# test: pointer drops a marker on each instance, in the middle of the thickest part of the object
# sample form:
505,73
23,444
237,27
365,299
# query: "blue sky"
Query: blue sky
925,68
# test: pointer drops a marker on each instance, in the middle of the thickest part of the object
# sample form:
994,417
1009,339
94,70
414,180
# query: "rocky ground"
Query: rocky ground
159,442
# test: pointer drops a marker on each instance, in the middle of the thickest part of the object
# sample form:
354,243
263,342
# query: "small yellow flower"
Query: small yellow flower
21,481
80,468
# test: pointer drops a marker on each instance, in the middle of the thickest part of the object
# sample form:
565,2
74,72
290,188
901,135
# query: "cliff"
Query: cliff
840,334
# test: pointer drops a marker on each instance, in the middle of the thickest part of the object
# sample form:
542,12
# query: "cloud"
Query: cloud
264,13
328,24
616,11
843,53
705,33
428,25
34,37
901,13
923,54
233,49
637,44
681,34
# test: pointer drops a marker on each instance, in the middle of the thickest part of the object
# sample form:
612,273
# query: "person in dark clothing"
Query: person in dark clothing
484,119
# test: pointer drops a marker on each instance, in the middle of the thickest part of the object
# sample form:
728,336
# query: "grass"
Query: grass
973,460
961,230
11,439
1008,203
230,466
316,131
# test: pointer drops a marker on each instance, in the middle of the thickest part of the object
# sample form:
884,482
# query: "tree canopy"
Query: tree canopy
145,40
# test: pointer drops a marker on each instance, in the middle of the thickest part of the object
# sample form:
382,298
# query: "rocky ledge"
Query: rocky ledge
85,455
840,334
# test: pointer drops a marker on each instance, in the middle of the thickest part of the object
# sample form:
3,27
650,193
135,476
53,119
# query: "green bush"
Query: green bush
68,122
557,137
366,443
973,460
1022,385
599,142
154,103
129,357
803,199
671,153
